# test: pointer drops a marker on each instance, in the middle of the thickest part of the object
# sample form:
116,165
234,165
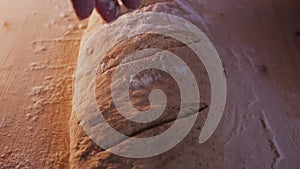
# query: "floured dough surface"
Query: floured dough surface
140,87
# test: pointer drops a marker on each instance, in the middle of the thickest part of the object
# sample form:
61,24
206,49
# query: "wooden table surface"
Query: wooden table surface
39,43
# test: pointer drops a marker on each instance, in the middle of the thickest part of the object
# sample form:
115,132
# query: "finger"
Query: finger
132,4
83,8
108,9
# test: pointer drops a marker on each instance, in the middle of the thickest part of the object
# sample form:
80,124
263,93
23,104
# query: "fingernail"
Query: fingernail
83,8
108,9
132,4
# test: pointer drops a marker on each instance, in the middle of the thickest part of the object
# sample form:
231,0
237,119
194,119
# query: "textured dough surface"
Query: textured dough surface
87,153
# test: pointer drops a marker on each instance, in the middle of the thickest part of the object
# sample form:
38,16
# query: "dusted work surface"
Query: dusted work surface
39,42
258,42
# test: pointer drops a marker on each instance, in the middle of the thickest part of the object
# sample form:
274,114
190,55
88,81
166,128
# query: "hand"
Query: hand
108,9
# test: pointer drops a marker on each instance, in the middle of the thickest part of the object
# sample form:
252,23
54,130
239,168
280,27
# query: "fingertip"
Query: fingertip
83,8
108,9
132,4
